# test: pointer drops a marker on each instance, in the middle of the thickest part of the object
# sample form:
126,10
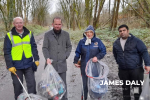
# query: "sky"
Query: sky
53,8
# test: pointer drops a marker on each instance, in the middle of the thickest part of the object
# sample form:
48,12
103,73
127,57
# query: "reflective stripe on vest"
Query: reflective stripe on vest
20,45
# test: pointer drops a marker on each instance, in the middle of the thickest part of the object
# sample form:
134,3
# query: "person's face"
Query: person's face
124,33
18,23
89,34
57,24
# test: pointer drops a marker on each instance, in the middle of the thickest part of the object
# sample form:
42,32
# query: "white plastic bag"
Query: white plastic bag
51,85
97,75
145,90
96,70
23,96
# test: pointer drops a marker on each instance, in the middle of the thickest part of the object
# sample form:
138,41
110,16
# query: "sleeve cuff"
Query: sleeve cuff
76,60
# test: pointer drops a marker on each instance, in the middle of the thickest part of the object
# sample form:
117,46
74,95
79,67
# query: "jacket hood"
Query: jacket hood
128,39
90,27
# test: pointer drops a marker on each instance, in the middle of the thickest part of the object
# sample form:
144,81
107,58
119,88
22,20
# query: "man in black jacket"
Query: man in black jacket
129,53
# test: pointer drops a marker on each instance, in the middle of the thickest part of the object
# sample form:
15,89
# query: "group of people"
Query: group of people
21,54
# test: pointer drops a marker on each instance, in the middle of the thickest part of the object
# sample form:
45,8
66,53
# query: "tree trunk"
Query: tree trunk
115,15
25,12
99,4
88,11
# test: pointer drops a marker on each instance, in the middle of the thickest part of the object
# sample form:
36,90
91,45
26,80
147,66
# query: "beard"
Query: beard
57,31
124,38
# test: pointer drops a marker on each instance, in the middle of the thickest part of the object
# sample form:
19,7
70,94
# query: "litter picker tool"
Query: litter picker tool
23,87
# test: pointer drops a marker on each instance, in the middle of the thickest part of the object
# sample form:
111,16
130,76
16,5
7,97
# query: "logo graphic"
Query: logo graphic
96,43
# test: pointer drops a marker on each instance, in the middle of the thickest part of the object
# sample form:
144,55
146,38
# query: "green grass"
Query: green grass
143,34
108,37
36,29
76,35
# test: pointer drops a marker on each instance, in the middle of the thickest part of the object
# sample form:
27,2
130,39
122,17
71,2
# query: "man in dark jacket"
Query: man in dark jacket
57,46
129,53
19,50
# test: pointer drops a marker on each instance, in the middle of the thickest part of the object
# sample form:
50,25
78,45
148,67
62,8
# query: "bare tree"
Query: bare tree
72,11
98,8
115,15
88,11
6,9
65,10
76,13
12,8
143,10
144,4
39,11
79,13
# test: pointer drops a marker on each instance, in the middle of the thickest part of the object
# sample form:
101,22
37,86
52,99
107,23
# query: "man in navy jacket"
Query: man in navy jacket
20,61
129,53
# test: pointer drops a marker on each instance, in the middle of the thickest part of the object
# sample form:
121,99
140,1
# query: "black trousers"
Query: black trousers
63,76
131,75
30,81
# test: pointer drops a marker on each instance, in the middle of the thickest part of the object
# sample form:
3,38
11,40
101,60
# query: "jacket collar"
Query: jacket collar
56,33
128,39
93,39
26,31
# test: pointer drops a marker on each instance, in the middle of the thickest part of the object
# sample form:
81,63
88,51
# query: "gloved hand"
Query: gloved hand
13,70
37,63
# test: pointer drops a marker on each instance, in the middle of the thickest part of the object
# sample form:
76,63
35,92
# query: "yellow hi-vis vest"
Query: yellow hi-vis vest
19,46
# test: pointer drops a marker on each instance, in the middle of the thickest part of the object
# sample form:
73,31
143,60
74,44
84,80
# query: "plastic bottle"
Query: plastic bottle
49,90
55,92
43,89
56,98
61,89
52,90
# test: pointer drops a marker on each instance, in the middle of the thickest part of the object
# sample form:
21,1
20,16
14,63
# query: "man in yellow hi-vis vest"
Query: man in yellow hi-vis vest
21,56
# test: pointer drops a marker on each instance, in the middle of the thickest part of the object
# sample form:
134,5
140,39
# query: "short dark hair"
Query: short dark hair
57,18
121,26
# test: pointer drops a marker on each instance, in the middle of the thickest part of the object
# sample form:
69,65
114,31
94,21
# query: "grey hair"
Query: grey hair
17,18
